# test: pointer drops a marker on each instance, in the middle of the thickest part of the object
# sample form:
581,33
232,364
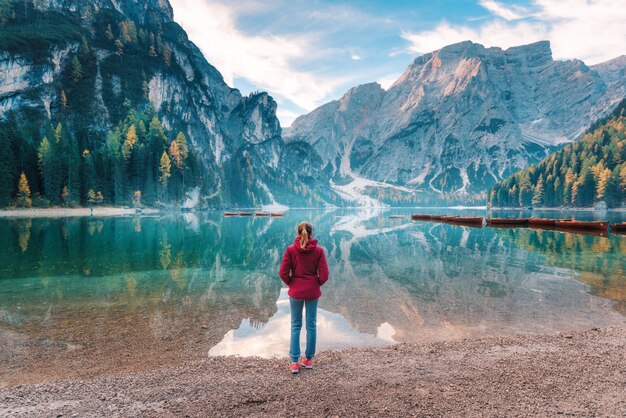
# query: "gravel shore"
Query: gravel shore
575,373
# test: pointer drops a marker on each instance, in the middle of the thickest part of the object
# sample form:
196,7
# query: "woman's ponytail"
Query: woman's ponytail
305,230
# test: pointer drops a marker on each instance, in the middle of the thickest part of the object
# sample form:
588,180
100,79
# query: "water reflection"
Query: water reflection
138,291
272,339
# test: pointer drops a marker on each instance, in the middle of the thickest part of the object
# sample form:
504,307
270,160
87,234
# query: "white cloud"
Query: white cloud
263,60
508,13
286,117
355,57
590,30
386,81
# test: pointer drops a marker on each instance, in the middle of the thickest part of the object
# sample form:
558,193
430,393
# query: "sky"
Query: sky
307,53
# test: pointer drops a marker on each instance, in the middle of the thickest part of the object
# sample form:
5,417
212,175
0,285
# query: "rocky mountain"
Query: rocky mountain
92,66
458,120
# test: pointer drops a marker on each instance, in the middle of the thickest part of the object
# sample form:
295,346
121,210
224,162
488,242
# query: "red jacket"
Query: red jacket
304,270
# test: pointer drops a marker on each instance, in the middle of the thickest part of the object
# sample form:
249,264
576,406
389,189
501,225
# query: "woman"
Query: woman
304,270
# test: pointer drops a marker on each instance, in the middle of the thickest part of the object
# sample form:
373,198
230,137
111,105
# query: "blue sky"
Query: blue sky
306,53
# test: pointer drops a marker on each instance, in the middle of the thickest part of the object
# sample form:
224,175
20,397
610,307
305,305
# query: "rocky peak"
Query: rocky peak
363,96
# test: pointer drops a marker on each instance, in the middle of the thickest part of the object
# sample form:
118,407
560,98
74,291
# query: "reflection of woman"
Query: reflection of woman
304,270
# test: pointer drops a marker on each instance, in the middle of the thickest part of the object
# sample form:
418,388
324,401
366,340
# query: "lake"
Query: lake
82,296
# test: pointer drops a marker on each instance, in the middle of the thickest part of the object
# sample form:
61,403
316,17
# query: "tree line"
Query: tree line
137,164
588,171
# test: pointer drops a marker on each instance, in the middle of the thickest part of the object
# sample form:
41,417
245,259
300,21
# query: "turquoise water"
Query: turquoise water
200,283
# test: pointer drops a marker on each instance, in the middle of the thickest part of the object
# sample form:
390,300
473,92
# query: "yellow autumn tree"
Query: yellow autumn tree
137,199
63,99
165,168
91,197
181,142
23,191
129,143
174,154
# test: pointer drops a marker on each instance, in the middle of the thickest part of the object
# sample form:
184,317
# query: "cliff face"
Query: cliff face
237,139
461,118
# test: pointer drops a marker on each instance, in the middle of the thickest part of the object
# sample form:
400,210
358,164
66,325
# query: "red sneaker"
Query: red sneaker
307,364
295,368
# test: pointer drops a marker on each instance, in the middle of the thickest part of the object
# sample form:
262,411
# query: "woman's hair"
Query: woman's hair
305,231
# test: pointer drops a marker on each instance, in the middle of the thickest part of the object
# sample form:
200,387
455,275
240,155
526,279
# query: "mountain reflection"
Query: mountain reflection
272,338
134,291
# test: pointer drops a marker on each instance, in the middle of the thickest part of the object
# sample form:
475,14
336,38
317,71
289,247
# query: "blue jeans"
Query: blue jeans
296,325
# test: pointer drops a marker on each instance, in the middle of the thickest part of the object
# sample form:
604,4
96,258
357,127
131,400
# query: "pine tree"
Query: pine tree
23,191
89,175
6,12
91,197
84,46
77,70
109,32
119,48
65,196
7,180
167,56
537,198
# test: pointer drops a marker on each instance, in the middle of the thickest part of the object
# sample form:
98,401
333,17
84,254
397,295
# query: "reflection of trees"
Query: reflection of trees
23,231
435,278
600,260
165,254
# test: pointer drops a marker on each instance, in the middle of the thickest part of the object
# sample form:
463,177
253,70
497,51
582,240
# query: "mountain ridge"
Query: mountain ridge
463,117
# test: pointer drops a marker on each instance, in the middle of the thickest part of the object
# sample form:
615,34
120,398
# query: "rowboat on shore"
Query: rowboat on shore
541,222
436,217
277,214
245,213
419,217
231,213
507,221
619,228
261,214
587,225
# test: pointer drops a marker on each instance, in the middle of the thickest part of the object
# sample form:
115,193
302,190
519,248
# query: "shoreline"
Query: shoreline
577,372
59,212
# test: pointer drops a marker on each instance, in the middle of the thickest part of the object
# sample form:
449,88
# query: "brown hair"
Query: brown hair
305,231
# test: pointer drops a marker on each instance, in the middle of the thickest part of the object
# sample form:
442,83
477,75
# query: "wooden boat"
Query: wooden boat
419,217
463,220
231,213
593,225
436,217
541,222
396,216
261,214
619,228
507,221
245,213
277,214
